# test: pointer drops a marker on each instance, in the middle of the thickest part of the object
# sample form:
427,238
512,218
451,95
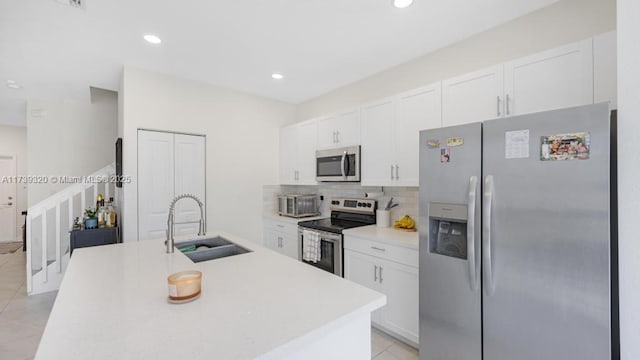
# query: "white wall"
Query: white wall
562,23
242,144
69,138
13,141
628,174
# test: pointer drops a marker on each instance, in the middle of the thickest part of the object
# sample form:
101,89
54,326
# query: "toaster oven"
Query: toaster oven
298,206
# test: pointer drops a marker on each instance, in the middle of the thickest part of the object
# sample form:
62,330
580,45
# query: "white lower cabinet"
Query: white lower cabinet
398,281
281,237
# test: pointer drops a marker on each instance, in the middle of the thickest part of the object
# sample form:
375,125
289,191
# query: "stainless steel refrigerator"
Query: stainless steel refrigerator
515,238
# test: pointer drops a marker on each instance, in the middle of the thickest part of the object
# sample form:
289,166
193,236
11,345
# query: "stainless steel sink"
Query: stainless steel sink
203,244
211,249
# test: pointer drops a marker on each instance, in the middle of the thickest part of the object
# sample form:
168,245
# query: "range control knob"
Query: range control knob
369,205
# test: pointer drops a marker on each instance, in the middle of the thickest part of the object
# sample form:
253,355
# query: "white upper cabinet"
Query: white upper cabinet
416,110
605,69
558,78
338,130
306,153
473,97
390,135
288,157
576,74
553,79
298,153
377,129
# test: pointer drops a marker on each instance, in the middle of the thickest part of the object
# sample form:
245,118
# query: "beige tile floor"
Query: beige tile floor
23,318
384,347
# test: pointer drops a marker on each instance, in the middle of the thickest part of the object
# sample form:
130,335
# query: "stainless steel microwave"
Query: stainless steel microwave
342,164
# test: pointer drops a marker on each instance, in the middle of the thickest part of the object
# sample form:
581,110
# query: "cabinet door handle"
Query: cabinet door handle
280,225
375,273
337,136
377,248
380,275
334,137
279,242
397,175
498,106
391,172
507,103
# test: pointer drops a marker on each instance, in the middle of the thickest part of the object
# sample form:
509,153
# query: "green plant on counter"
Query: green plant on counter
90,213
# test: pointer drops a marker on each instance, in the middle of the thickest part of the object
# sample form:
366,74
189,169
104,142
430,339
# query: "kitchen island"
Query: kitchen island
113,305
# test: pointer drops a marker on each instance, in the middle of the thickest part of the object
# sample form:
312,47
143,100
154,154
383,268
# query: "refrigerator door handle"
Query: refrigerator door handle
471,231
487,260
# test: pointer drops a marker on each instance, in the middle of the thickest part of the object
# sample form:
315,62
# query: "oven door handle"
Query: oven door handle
324,235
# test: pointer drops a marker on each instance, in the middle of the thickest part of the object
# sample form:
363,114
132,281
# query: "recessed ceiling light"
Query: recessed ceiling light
277,76
152,39
400,4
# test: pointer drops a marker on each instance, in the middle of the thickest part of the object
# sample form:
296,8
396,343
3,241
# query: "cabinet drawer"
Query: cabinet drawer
285,227
398,254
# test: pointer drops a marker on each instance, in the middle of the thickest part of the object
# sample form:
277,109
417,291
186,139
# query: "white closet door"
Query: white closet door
189,178
155,182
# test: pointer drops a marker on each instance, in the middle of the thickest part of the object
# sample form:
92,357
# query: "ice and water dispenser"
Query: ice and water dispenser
448,229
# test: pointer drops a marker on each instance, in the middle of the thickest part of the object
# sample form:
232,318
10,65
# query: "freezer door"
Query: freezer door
449,225
546,234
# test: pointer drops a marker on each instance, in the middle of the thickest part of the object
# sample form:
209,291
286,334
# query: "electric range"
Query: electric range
345,214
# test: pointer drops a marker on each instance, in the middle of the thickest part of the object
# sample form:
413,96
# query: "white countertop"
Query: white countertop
290,220
388,235
113,305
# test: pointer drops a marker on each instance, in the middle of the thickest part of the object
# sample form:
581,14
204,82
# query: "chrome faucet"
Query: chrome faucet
171,224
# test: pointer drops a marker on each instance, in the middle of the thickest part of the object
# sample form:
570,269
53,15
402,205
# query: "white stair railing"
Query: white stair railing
48,226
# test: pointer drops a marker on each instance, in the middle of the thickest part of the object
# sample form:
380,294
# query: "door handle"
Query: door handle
487,260
397,176
498,106
380,273
342,162
377,248
338,137
391,172
471,231
7,204
279,242
507,103
334,137
375,273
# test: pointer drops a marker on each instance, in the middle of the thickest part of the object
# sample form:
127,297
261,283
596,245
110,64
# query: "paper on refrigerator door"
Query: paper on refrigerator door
516,144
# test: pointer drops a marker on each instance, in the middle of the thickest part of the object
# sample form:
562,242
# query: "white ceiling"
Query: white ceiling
56,52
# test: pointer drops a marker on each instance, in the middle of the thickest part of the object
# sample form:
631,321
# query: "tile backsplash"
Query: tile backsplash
406,197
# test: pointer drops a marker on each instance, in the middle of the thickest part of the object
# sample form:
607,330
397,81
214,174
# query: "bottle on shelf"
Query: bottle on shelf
99,200
102,214
112,216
